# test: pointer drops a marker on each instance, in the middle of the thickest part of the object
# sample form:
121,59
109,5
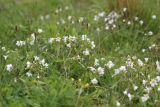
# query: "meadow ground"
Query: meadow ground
79,53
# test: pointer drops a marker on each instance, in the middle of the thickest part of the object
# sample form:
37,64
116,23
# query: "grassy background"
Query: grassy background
20,18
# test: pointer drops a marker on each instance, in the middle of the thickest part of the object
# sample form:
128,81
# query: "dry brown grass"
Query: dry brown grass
133,6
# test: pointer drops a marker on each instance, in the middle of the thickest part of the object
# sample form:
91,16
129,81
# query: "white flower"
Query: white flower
124,9
141,22
40,30
3,48
158,78
51,40
58,39
101,14
81,19
36,58
144,82
93,45
130,96
96,18
65,38
94,81
100,70
69,17
154,17
72,38
146,59
140,63
111,21
32,39
5,56
96,62
143,50
153,83
129,63
129,22
68,45
28,64
9,67
84,37
20,43
118,104
147,89
29,74
86,52
136,18
135,87
122,68
125,92
158,66
158,89
92,69
145,97
110,64
150,33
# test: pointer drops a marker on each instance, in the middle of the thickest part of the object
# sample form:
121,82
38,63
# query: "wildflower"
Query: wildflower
36,58
96,62
148,89
58,39
118,104
135,87
125,92
72,38
110,64
129,63
101,14
81,19
141,22
94,81
93,45
144,82
28,64
84,37
68,45
158,66
153,82
86,52
129,22
69,17
154,17
150,33
100,70
3,48
65,38
43,63
20,43
92,69
51,40
146,59
143,50
29,74
158,89
32,39
124,9
136,18
122,68
140,63
9,67
40,30
145,97
5,56
130,96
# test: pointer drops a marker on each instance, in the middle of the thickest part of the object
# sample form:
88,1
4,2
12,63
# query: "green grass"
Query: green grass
67,80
